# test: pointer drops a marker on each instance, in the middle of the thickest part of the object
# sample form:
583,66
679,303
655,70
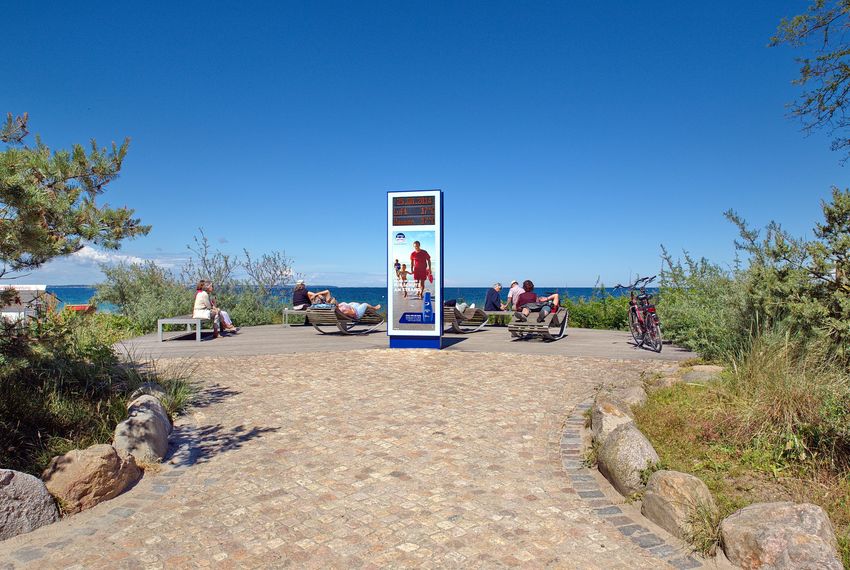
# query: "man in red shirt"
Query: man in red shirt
529,301
420,263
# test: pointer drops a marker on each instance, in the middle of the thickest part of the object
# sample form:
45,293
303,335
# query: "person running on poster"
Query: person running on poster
420,262
397,267
402,277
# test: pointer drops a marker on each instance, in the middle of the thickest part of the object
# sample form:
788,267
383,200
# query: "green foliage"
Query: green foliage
699,304
824,69
790,284
48,200
600,311
803,284
64,388
144,293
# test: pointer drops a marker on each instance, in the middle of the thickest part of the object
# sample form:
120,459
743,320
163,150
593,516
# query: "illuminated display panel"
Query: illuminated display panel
414,211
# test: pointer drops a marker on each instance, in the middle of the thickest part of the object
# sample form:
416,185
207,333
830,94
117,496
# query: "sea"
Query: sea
82,294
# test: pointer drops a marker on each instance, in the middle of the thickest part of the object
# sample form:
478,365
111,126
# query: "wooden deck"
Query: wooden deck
276,339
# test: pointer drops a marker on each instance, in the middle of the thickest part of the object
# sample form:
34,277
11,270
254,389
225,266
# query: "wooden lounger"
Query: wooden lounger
470,320
332,317
553,327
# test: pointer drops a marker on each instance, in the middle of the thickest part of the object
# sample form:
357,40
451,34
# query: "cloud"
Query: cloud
223,240
91,255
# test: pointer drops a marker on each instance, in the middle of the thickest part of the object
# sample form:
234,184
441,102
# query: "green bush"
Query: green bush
699,304
600,311
62,387
144,293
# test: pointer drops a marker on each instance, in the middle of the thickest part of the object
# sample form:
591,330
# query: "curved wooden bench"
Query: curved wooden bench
553,327
332,317
469,321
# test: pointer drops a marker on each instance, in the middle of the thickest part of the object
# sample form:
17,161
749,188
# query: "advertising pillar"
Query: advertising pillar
415,268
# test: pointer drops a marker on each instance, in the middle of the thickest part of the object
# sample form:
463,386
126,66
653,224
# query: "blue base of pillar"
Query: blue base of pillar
415,342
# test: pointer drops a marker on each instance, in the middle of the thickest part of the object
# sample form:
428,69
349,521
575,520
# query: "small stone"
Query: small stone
624,455
632,396
143,435
774,536
81,479
607,414
25,504
149,389
673,499
149,405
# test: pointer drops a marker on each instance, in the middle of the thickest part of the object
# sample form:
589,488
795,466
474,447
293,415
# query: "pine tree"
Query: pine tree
48,200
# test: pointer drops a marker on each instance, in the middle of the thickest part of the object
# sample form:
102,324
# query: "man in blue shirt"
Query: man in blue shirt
493,301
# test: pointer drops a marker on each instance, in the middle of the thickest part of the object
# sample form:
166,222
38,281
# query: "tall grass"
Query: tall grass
66,389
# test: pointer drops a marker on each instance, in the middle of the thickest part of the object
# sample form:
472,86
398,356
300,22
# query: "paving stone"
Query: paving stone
647,540
405,458
606,511
685,563
631,529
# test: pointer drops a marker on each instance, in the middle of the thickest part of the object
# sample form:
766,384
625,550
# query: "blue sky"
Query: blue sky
570,139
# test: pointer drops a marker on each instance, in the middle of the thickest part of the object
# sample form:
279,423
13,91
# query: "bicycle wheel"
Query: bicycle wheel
653,334
634,326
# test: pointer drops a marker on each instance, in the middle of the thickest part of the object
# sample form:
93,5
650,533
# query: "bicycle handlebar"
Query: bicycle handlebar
640,280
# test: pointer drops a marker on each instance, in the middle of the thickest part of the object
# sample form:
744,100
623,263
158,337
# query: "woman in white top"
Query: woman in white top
204,308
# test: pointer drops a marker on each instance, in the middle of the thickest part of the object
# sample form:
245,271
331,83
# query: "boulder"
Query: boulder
25,504
702,373
150,389
144,435
672,500
662,382
82,478
151,405
780,535
607,414
631,396
625,453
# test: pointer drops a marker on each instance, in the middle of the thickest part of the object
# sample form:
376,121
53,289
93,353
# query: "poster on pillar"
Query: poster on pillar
414,263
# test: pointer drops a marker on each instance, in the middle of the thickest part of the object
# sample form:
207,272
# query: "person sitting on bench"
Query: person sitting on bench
529,302
302,298
355,310
204,309
493,302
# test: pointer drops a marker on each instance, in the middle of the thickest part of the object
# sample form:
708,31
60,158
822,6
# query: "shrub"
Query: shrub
600,311
143,293
64,388
699,304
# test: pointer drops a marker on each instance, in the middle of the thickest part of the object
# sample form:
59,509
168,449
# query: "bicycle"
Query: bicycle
643,320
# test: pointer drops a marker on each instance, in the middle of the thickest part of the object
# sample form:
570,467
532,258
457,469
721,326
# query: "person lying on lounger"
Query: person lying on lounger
302,298
529,302
355,310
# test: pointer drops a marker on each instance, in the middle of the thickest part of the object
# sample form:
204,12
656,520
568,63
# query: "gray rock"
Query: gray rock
607,414
625,453
673,500
147,404
25,504
662,382
144,435
780,536
631,396
702,373
82,478
150,389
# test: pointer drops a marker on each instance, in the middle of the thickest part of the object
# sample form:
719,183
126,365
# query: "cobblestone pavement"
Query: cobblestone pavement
361,459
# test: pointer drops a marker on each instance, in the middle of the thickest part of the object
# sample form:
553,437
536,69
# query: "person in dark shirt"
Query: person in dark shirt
302,298
493,301
529,301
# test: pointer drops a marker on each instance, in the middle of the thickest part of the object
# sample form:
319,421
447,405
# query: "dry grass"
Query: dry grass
699,430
